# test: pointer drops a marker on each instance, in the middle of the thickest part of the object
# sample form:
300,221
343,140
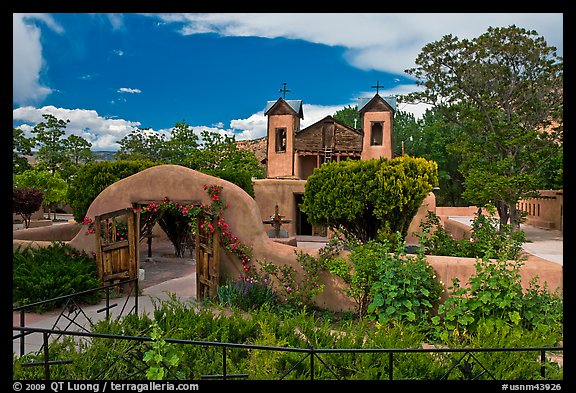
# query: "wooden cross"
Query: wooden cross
283,90
377,87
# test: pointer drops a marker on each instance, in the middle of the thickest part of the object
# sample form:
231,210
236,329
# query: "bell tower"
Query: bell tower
377,117
283,122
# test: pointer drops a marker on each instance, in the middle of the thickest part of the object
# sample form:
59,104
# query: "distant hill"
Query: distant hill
104,155
258,146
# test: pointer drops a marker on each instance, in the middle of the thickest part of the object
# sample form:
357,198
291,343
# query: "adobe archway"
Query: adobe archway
180,183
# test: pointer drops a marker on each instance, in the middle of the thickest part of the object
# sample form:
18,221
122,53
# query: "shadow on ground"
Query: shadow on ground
164,265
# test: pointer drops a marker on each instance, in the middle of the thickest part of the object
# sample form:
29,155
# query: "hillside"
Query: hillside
258,146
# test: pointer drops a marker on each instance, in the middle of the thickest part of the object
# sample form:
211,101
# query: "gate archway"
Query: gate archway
206,243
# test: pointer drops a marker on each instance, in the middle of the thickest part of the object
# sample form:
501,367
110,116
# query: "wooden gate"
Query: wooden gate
117,239
207,256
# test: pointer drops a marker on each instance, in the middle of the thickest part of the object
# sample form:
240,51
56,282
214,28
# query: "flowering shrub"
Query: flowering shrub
121,232
246,293
297,290
187,214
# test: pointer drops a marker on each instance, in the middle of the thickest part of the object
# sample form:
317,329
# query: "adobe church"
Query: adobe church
293,154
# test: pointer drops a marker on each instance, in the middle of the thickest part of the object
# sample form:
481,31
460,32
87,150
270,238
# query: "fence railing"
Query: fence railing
73,309
311,354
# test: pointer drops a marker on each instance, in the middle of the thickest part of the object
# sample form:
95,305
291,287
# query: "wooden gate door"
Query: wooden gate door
207,256
117,246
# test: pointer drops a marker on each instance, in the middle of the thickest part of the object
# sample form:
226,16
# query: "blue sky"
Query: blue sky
110,74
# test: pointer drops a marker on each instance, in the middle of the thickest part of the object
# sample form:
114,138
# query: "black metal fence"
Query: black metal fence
72,309
463,363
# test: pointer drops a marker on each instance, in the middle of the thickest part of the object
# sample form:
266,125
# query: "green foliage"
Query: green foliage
98,357
369,199
52,186
45,273
487,239
431,137
360,272
387,284
21,147
49,138
240,177
94,177
504,89
495,294
211,153
246,293
350,116
162,357
298,289
406,288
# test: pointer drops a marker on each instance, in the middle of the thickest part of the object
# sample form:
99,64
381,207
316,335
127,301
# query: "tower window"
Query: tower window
376,133
280,139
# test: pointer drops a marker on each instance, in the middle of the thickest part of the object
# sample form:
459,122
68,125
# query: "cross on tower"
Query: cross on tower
377,87
284,90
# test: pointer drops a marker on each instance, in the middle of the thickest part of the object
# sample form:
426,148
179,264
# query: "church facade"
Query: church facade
292,154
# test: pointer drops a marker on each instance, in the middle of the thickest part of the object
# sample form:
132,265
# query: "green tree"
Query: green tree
141,144
92,178
52,186
182,144
369,199
211,153
437,140
505,89
78,152
349,115
51,143
21,146
407,137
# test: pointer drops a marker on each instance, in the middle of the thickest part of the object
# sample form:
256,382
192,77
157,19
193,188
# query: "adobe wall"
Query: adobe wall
544,212
63,232
245,220
429,204
269,192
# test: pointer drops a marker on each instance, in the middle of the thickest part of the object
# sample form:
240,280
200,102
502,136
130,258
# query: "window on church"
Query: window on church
280,139
376,136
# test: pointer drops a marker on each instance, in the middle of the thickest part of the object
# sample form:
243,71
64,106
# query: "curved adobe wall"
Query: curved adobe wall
179,183
243,215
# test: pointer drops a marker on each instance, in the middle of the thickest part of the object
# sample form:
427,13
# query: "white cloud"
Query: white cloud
386,42
102,132
129,90
27,61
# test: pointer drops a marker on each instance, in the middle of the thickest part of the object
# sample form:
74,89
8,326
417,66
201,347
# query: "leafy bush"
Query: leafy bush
406,288
487,240
369,199
172,319
48,272
387,284
242,178
92,178
297,289
495,294
26,201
